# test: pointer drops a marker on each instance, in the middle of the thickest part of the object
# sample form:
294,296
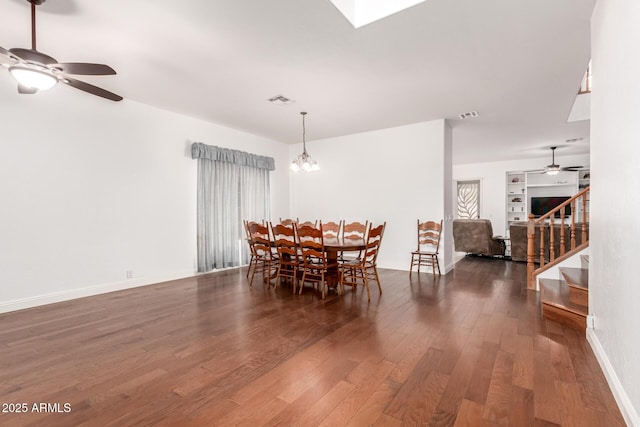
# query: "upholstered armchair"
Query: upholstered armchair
475,236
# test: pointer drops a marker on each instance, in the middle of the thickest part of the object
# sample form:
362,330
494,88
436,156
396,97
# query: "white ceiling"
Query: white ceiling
519,63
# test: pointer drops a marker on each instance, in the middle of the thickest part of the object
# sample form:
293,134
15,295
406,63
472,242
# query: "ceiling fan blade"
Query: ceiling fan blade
572,168
31,55
89,88
26,90
85,69
4,52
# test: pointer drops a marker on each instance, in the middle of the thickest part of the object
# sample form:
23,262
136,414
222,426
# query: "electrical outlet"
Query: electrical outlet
129,274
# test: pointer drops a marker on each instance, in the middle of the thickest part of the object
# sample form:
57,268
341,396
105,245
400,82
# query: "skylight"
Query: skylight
363,12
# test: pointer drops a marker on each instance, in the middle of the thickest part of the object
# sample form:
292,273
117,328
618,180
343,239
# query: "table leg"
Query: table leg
332,272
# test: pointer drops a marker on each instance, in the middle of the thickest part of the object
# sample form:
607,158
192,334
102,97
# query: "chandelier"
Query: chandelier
303,162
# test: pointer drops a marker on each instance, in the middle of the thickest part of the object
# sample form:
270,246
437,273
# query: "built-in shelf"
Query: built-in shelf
524,185
559,184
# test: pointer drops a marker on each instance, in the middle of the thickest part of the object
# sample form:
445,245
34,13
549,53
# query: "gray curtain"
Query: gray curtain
232,186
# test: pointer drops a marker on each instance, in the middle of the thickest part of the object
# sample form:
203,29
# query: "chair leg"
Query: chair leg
267,279
253,273
375,270
411,267
298,278
278,277
268,275
366,285
250,264
304,275
322,283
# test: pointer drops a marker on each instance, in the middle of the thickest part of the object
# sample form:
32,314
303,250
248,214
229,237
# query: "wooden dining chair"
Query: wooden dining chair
426,254
331,230
314,256
265,260
252,254
363,270
289,258
353,231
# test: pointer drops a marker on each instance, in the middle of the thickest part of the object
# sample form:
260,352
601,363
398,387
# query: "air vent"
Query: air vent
280,100
573,140
469,115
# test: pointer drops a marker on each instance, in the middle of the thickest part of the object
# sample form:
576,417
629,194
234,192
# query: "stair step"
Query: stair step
557,304
576,277
578,282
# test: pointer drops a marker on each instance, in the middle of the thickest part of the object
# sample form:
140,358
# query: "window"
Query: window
585,86
469,199
232,186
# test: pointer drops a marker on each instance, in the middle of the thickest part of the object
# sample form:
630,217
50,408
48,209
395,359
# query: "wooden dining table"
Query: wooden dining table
334,246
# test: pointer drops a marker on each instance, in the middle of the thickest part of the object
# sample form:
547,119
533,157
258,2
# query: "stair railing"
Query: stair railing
546,222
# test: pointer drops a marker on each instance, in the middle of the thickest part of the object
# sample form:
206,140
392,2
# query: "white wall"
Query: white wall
493,185
394,175
450,197
615,229
91,188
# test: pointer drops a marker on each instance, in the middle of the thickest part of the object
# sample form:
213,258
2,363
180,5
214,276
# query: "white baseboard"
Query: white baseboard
38,300
448,268
629,413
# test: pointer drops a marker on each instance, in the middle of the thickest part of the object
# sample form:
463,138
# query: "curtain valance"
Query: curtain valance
211,152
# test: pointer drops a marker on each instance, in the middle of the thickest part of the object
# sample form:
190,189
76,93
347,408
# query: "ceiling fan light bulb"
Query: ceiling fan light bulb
31,78
552,169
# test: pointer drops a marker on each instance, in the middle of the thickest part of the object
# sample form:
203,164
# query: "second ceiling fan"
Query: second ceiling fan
34,70
553,168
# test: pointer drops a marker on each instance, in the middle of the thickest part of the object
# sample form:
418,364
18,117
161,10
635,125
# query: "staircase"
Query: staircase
553,248
566,300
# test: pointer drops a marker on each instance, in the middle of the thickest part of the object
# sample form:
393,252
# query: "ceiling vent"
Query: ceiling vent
469,115
573,140
280,100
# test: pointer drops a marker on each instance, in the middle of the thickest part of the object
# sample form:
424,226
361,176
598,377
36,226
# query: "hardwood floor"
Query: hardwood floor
467,349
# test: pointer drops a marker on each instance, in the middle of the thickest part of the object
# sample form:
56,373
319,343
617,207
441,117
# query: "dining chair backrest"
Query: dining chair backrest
247,227
247,230
285,240
429,235
331,230
283,231
308,223
247,233
260,238
311,243
288,221
374,239
354,230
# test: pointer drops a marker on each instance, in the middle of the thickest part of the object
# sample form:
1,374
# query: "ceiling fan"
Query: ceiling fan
36,71
554,169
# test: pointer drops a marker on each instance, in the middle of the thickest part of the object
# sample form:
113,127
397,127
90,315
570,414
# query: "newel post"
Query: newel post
531,229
